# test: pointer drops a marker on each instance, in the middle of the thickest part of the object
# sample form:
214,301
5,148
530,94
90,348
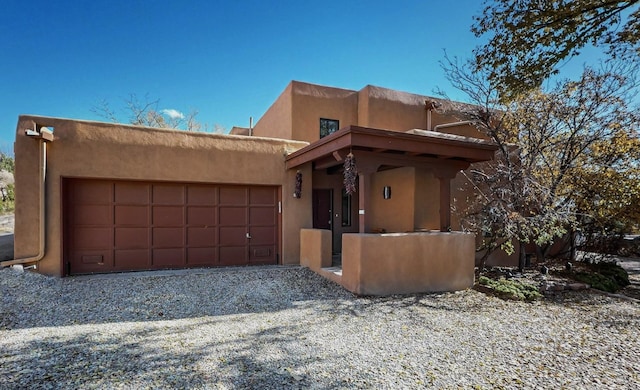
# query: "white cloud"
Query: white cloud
173,114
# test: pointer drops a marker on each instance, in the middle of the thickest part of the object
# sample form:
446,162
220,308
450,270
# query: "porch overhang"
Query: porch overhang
374,150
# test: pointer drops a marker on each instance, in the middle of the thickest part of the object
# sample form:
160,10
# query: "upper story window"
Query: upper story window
328,126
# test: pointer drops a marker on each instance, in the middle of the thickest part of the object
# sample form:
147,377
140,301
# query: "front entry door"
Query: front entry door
322,208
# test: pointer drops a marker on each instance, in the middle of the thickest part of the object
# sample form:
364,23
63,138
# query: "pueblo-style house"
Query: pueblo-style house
356,185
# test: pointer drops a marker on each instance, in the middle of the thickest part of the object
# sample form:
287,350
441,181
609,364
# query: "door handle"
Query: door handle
248,236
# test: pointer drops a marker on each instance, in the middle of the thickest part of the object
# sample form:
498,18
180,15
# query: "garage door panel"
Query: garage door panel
202,195
262,196
168,237
168,194
120,225
168,257
262,216
262,254
233,196
98,258
92,192
262,235
233,216
233,255
168,216
92,261
257,251
131,259
201,256
201,237
93,238
131,215
201,216
233,235
92,215
131,193
132,238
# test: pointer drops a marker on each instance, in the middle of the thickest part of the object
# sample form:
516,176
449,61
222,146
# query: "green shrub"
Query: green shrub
605,276
511,289
613,271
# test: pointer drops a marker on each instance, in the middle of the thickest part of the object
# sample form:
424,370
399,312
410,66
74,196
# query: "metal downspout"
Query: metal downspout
42,178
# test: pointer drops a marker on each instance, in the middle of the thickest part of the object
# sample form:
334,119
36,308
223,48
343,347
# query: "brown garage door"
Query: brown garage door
121,226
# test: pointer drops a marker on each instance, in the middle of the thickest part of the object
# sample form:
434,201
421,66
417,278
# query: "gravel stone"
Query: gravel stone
286,327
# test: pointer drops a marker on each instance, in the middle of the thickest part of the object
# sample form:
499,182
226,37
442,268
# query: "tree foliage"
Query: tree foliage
7,195
527,39
561,156
606,191
146,112
7,163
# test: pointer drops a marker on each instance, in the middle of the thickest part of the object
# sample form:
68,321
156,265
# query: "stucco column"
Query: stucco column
445,204
364,179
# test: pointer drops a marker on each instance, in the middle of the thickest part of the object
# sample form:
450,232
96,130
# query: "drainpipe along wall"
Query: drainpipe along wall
44,136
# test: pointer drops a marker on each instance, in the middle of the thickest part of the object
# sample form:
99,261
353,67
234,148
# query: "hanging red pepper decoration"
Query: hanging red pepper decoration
350,174
297,193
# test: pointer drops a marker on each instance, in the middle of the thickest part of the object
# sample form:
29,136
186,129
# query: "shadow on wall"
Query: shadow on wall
6,237
6,246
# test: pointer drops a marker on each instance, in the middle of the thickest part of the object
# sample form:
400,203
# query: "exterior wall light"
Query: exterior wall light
386,192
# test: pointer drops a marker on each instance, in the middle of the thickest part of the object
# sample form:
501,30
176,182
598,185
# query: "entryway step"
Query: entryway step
334,270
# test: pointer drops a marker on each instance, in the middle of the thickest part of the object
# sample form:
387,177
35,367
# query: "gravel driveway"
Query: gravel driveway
289,328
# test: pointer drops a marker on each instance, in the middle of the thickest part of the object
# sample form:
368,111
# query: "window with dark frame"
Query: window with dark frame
346,208
328,126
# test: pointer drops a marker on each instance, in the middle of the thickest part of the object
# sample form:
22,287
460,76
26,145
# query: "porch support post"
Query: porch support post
364,178
445,204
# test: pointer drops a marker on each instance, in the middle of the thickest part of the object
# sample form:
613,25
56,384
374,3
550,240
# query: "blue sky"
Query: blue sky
227,59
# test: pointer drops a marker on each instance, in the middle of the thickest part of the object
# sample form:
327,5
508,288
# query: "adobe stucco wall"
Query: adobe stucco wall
404,263
84,149
315,248
395,214
312,102
276,121
392,110
297,111
414,203
427,201
388,109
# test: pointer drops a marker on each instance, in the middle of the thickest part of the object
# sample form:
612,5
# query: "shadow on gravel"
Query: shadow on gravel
31,300
272,358
227,352
94,360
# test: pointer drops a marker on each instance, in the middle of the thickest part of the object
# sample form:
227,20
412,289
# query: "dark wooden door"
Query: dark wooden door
322,208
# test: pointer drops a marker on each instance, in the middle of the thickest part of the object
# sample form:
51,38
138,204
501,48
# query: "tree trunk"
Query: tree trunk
540,255
489,248
572,243
522,257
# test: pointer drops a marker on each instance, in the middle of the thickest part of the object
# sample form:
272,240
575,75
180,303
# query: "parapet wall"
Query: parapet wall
404,263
